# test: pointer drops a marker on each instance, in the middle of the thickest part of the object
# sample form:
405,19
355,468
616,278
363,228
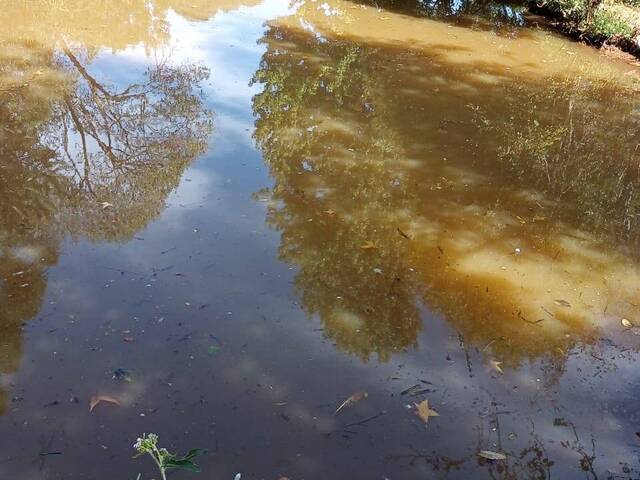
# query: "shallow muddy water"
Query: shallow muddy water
230,216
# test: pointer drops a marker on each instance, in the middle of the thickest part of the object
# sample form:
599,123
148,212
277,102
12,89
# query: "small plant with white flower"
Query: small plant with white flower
163,459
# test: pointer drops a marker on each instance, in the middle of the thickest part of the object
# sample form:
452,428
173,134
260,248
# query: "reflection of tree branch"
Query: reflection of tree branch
78,125
95,84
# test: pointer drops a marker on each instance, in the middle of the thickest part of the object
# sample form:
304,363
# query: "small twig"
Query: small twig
403,234
532,322
368,419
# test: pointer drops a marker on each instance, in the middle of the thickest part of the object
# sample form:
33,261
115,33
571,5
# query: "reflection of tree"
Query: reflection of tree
81,157
132,145
569,154
339,280
377,223
531,458
481,12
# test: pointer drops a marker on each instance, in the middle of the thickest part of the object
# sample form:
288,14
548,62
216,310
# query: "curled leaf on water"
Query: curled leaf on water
491,455
97,399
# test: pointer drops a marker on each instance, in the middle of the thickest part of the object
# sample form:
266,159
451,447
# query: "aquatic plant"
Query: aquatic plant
165,460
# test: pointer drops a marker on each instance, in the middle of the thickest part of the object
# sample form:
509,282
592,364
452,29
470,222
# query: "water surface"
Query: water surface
232,215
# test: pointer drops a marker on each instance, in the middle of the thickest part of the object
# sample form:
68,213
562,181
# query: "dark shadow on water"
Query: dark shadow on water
503,18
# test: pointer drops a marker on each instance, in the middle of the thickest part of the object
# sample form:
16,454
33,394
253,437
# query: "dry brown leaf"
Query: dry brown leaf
368,245
356,397
424,412
96,399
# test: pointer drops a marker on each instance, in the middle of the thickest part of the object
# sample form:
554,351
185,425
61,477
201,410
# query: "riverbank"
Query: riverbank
610,24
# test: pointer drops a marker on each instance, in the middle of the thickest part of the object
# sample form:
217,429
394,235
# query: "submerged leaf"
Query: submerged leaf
96,399
562,302
491,455
496,366
356,397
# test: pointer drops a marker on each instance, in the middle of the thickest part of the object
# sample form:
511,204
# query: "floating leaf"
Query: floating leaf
560,301
491,455
626,323
356,397
96,399
496,366
368,245
424,412
106,205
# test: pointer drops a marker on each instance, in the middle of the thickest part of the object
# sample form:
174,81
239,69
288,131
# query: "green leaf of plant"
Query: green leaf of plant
186,461
182,465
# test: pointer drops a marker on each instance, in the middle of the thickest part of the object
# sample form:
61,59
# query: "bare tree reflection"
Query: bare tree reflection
82,157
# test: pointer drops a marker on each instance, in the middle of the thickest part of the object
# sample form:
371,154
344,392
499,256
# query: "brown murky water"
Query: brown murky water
232,215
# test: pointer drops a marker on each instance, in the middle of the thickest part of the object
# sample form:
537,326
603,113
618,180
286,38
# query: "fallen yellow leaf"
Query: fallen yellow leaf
424,412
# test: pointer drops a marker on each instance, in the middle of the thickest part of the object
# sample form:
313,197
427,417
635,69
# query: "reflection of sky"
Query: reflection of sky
207,271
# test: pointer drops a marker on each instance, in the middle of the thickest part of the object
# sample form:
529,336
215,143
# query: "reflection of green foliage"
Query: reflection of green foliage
354,157
571,156
497,14
303,88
